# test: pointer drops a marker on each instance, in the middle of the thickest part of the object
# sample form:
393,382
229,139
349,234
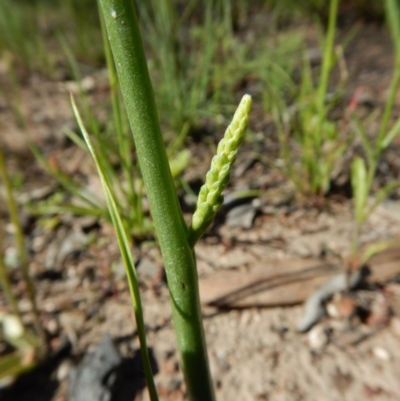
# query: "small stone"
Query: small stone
241,216
317,337
332,310
222,361
381,353
24,305
63,370
38,244
88,83
94,378
52,326
12,327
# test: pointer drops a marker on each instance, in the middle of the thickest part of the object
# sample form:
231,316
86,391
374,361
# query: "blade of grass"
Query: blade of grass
13,365
392,14
127,258
327,59
382,194
73,65
5,284
360,189
64,180
68,208
360,130
21,249
394,131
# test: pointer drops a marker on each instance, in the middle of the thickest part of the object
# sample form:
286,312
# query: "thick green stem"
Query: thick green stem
123,138
180,264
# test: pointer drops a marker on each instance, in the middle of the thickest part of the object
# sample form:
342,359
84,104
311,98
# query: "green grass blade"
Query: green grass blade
327,60
21,249
13,365
72,187
395,130
392,15
6,285
76,139
382,194
127,258
67,208
360,190
68,183
366,142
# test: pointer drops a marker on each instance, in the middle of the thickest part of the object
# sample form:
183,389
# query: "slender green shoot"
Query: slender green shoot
327,60
66,181
393,20
6,285
12,94
12,365
125,249
363,171
21,249
76,74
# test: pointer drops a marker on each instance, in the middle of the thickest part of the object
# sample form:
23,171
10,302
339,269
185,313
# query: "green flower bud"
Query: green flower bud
210,197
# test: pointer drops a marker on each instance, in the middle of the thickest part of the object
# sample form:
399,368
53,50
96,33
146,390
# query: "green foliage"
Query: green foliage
12,365
196,60
127,190
318,142
17,23
41,21
20,243
22,341
363,172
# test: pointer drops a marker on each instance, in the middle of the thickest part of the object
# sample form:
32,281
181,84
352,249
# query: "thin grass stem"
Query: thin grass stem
21,249
127,258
